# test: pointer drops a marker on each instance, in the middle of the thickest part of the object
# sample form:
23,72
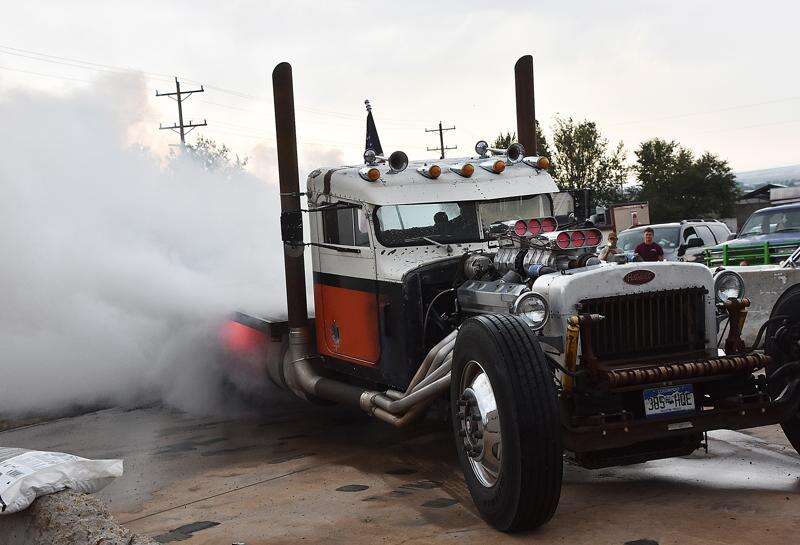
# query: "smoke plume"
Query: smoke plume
116,263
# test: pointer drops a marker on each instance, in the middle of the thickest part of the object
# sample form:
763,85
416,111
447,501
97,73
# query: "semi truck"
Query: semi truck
450,281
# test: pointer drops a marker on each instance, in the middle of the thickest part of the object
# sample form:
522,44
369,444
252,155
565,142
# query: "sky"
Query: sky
716,76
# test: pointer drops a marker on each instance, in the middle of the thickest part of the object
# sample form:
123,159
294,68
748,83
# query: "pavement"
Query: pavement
294,472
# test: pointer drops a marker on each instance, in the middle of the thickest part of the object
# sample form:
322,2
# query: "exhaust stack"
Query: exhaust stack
286,135
526,108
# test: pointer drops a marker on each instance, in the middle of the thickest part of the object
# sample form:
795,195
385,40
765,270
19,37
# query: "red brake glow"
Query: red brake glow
535,227
563,240
593,237
240,339
520,228
578,238
548,224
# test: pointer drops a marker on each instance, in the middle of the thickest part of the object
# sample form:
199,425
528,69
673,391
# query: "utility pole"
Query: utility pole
179,96
441,130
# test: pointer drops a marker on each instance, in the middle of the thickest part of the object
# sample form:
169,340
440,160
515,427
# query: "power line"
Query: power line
43,75
707,112
441,147
109,68
179,96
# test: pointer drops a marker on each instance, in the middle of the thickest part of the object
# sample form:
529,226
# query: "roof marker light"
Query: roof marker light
430,171
540,162
496,166
463,169
535,226
520,228
370,174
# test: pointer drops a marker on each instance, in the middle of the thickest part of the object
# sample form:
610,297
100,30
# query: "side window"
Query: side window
706,235
720,232
345,227
688,233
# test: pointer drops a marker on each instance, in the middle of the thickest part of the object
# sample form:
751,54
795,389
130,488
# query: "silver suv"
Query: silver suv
684,241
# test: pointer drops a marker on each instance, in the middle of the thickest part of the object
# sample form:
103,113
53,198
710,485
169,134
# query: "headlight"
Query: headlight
532,308
728,284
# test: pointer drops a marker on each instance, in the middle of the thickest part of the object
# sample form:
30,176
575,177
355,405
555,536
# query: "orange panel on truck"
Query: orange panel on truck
347,324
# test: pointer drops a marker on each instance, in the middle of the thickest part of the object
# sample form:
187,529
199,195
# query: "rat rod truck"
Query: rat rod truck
451,280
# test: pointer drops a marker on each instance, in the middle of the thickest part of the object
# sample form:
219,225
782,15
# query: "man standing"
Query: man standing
611,249
649,250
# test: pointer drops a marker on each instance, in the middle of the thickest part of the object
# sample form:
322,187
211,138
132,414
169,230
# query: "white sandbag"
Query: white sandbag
27,474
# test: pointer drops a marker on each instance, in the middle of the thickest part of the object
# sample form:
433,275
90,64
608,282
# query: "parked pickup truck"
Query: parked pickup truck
769,236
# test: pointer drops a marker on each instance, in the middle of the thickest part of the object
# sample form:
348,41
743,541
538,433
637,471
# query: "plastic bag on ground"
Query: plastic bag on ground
27,474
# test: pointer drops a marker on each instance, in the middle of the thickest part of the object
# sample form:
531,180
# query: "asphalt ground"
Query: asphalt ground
293,472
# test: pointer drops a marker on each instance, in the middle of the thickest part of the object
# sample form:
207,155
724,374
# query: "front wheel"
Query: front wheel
783,344
506,422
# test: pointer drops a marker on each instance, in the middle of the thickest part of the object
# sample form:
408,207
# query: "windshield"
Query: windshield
444,222
774,221
666,237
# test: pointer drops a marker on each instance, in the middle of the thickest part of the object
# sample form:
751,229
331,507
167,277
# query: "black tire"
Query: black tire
528,485
787,305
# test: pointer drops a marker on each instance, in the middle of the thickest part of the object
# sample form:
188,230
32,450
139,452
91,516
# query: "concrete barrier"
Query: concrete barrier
66,518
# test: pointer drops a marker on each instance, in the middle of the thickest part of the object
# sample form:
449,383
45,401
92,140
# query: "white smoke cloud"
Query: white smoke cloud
116,265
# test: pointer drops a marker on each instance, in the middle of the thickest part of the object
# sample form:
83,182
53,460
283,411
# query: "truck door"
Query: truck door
345,286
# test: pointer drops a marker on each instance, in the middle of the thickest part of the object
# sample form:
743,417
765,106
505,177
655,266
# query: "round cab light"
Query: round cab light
430,171
535,227
370,174
543,163
593,237
493,166
548,225
520,228
563,240
578,238
467,170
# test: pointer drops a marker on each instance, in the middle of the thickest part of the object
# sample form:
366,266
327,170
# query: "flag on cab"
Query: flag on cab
373,142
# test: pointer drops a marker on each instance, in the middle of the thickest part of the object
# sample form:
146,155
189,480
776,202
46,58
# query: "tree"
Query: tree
503,141
679,186
213,157
584,160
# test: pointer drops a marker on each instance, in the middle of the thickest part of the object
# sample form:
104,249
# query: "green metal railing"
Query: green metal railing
750,254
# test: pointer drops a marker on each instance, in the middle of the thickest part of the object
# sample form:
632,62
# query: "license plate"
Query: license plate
673,400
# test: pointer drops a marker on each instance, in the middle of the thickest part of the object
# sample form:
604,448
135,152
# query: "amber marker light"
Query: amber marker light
463,169
370,174
430,171
539,162
496,167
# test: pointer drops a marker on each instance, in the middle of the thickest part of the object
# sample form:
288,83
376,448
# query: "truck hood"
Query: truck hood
774,238
564,291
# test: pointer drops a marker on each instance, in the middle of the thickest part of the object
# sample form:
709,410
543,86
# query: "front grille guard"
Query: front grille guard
666,323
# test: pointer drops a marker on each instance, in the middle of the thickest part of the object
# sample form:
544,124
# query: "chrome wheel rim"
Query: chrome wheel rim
479,424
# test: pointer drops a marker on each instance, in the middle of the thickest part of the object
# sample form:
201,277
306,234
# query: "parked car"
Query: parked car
768,236
681,241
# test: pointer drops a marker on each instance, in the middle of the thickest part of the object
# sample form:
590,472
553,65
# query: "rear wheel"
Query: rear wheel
506,422
783,344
